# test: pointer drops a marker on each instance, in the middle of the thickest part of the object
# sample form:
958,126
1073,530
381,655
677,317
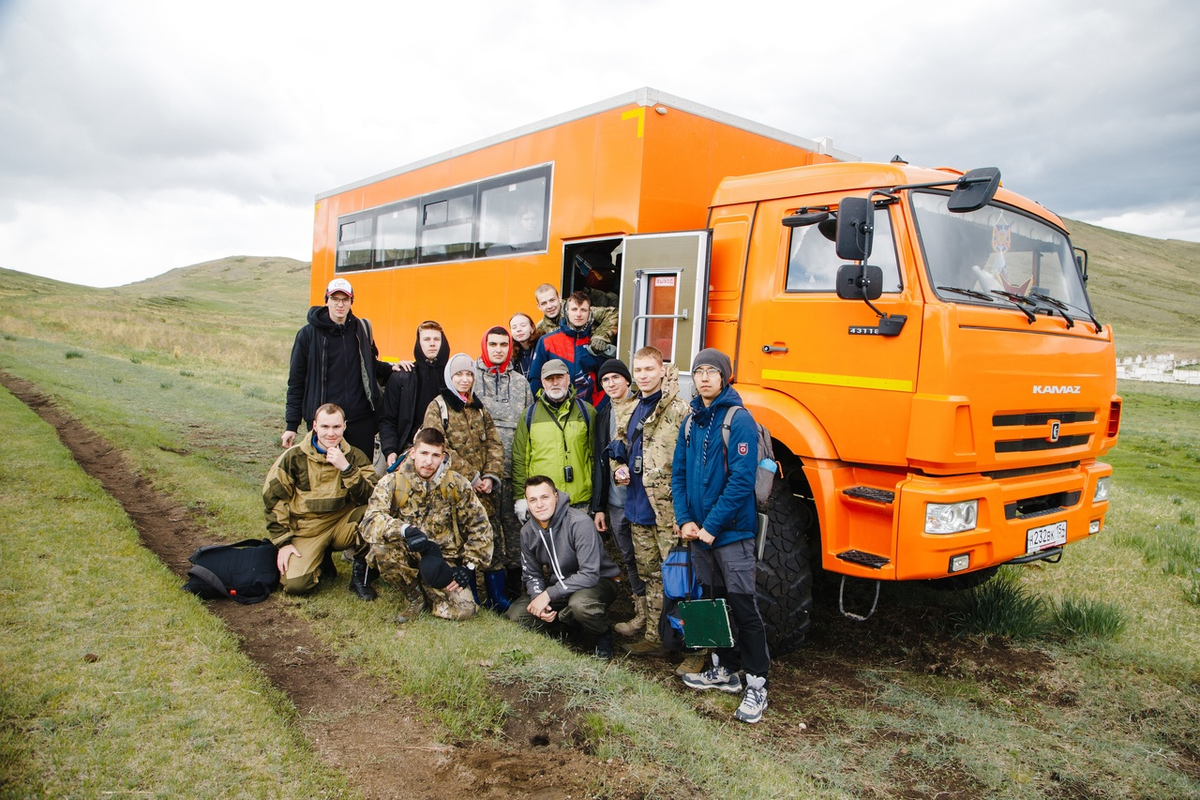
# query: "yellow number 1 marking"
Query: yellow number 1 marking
640,113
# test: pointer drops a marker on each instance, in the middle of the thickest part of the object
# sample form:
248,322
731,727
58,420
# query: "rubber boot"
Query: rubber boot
358,579
495,582
637,625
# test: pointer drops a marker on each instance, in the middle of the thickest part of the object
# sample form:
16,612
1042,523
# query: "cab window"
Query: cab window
813,262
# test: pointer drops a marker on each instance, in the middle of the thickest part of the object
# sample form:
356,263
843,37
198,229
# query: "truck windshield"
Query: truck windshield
995,250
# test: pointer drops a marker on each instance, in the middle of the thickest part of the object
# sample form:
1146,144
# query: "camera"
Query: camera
568,473
637,464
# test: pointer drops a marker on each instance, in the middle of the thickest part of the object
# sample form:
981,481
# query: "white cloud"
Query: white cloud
223,119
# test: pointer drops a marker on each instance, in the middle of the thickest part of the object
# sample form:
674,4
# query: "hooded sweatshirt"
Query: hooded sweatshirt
408,395
565,556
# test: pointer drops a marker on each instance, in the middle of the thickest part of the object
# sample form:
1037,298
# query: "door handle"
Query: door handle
770,348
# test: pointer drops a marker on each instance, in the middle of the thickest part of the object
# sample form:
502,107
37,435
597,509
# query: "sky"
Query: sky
138,136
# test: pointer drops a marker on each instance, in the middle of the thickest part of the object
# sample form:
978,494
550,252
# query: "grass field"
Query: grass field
903,706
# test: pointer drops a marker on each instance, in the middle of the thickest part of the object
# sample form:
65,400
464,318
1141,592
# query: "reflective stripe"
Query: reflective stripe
857,381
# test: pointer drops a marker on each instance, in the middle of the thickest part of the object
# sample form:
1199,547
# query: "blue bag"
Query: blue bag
679,583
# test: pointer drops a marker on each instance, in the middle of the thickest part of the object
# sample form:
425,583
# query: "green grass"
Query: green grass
1108,707
112,680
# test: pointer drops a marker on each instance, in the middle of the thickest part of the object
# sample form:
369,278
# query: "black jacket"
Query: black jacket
408,395
308,375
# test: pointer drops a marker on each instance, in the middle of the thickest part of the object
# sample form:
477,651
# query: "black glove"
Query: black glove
433,569
465,578
417,541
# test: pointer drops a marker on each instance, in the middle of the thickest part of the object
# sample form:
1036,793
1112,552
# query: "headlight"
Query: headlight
1101,490
951,517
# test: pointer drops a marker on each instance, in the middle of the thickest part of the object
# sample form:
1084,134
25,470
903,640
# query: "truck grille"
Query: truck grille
1042,418
1040,443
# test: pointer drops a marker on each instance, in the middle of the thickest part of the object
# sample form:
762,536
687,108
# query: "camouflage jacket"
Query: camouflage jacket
505,395
302,486
472,441
659,433
444,507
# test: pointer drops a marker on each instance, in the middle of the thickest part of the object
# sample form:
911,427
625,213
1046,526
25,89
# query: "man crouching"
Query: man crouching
428,532
315,495
568,576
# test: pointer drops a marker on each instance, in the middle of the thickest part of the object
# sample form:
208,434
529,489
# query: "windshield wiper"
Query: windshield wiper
967,292
1061,306
1019,301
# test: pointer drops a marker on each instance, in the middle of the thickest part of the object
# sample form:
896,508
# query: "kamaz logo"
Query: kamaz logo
1056,390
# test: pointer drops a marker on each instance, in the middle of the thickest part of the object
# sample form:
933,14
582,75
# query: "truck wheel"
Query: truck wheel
784,574
960,583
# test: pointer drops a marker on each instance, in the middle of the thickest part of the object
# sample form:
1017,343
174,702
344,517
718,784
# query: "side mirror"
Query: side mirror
974,190
1081,259
805,218
855,229
859,282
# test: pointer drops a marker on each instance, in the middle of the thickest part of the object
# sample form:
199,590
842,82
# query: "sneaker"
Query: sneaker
715,677
692,662
754,701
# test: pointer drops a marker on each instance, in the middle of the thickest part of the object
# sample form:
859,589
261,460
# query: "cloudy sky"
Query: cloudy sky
139,135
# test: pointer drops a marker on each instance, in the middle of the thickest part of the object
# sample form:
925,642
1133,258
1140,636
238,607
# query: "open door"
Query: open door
664,296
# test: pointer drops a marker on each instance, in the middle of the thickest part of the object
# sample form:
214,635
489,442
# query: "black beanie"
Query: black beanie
710,357
613,365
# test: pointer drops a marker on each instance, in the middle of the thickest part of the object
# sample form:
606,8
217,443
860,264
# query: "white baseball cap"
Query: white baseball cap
339,285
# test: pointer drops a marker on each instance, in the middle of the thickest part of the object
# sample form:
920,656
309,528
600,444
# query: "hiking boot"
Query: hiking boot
645,647
456,605
637,625
692,662
358,580
754,701
604,647
715,677
416,604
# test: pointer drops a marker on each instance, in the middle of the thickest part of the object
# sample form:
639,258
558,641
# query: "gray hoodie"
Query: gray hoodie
570,549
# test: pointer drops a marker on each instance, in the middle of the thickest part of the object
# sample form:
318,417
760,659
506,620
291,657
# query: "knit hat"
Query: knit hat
458,362
613,365
555,366
710,357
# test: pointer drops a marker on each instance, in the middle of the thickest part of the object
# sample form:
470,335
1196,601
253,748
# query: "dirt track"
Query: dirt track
372,741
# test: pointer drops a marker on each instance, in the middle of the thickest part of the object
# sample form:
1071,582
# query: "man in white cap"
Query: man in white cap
334,360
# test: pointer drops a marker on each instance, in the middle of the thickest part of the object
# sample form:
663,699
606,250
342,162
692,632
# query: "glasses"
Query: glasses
340,301
706,372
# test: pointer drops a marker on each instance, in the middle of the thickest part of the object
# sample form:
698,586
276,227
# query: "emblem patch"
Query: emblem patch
743,448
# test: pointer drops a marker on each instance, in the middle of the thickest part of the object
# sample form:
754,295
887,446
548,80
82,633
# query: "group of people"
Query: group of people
497,476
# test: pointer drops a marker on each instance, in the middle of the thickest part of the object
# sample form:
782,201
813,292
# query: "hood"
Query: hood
318,317
443,354
483,359
728,397
455,402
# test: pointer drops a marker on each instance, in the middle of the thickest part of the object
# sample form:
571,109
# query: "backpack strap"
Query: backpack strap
587,421
442,407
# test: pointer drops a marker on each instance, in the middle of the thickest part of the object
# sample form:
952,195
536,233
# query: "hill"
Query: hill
1148,289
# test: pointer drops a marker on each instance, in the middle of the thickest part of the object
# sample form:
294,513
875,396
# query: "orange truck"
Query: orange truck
919,342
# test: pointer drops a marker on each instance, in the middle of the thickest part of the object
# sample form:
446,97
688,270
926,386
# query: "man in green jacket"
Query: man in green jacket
554,438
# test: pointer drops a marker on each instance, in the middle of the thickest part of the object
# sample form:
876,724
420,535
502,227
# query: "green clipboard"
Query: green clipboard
706,623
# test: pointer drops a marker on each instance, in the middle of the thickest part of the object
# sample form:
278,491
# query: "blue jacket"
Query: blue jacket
710,487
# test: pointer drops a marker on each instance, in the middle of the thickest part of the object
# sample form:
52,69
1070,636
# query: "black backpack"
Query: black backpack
244,572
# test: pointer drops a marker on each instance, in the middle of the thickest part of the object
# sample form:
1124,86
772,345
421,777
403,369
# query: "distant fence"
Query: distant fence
1158,369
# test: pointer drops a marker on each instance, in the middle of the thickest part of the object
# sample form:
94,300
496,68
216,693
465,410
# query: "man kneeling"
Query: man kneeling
428,532
564,567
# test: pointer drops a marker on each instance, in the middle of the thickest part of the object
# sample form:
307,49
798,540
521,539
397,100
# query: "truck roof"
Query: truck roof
843,178
645,96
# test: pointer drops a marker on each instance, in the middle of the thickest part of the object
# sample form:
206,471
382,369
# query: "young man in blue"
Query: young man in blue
713,493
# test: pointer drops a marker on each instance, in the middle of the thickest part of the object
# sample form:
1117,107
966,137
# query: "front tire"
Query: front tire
785,578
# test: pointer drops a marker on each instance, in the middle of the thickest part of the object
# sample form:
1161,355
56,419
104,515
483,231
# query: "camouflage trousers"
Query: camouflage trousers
651,543
506,531
398,567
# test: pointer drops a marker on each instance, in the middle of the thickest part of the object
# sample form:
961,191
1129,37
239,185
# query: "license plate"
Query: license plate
1038,539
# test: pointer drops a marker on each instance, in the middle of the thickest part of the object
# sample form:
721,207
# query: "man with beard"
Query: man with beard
428,532
334,360
554,438
409,392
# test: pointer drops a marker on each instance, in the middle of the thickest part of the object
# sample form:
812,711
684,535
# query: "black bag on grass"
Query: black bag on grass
244,572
